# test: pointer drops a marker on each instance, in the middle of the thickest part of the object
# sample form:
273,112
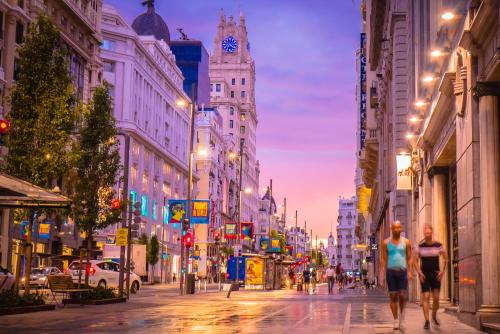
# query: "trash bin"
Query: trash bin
190,288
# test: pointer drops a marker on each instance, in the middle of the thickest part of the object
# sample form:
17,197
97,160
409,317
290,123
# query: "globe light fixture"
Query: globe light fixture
409,136
420,103
436,53
428,78
414,119
248,190
202,153
181,103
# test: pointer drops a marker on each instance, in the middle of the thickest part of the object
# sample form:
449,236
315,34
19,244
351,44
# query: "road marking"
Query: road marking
347,320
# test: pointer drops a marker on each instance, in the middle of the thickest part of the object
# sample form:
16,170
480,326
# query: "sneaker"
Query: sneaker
401,318
436,322
427,324
396,324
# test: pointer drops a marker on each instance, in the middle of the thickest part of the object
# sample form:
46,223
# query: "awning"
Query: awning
17,193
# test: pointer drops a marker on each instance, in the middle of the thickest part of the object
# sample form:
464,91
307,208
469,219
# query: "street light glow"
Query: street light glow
428,78
409,135
202,153
414,119
232,155
436,53
181,103
248,190
447,16
420,103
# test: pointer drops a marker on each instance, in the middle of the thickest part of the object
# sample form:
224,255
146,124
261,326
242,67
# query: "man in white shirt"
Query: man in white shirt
329,274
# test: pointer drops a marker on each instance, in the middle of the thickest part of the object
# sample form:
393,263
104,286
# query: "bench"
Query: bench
63,284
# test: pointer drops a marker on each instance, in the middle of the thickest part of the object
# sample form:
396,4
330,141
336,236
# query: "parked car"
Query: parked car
103,274
6,279
38,276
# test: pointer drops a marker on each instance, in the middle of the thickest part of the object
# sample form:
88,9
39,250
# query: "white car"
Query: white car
103,274
38,276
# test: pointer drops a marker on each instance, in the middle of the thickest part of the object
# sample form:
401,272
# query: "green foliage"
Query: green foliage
43,111
11,298
154,248
101,293
143,240
97,167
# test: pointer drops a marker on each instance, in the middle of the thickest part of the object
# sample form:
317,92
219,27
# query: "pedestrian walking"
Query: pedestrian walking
339,271
397,264
331,279
306,276
174,278
429,273
314,279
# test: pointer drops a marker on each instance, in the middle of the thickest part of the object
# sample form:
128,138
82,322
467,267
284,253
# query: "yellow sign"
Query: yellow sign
254,271
121,236
200,209
299,255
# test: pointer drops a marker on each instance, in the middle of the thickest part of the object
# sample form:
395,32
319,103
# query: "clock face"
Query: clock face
229,44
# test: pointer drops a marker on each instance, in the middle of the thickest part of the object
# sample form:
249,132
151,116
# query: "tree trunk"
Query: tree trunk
87,265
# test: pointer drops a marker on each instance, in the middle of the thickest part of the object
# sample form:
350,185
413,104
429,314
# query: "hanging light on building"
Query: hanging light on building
414,119
447,16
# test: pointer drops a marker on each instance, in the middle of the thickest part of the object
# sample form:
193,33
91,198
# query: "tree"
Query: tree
43,112
97,169
154,248
42,115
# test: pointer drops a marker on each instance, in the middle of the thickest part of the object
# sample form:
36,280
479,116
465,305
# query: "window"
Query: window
167,169
231,111
243,117
217,87
20,3
233,81
133,197
231,124
153,210
243,94
166,190
107,44
16,69
242,130
243,81
19,32
135,150
144,205
133,173
211,87
109,66
145,181
232,93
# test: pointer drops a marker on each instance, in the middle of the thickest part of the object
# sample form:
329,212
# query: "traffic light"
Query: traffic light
188,240
185,224
115,204
216,236
4,128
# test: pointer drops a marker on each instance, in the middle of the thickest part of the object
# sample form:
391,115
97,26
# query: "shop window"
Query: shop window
153,210
144,206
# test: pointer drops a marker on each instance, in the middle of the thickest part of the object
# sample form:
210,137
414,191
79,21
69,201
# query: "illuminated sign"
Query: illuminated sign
362,91
44,231
230,230
247,231
200,212
403,172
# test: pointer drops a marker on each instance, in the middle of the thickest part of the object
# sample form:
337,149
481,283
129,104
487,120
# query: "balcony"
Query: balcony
368,157
85,11
373,97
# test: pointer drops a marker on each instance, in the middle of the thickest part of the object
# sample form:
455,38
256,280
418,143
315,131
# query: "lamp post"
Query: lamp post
296,232
238,230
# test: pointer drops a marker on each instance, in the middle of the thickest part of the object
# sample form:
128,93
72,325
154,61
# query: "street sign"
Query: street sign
238,250
121,236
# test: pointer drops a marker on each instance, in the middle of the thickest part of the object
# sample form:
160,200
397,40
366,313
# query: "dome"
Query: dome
151,24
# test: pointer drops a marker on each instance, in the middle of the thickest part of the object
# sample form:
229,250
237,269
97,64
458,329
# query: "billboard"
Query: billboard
264,243
275,245
254,271
246,231
362,91
230,230
200,213
44,231
403,172
176,211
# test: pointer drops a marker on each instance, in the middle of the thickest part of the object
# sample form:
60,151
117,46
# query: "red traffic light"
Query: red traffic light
115,204
4,126
188,240
216,236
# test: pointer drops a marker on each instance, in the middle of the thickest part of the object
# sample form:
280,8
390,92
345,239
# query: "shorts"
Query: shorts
431,282
307,280
397,280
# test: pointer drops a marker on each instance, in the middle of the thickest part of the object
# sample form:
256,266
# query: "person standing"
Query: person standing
429,273
339,271
397,263
330,277
306,276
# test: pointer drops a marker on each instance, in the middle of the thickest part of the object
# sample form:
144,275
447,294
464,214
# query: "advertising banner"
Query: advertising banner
230,230
121,236
403,172
275,246
362,91
246,231
200,213
289,250
176,211
110,239
264,243
44,231
254,271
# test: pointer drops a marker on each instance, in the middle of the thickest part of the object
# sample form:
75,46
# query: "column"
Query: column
440,222
489,143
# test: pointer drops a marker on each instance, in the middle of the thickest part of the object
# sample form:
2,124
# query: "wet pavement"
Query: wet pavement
159,309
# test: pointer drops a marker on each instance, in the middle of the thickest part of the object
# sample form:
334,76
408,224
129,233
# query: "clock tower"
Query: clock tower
232,81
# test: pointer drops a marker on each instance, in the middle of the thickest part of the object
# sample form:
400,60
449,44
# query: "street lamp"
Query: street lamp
248,190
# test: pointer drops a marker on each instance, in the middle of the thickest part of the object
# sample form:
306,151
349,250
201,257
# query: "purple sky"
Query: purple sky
304,52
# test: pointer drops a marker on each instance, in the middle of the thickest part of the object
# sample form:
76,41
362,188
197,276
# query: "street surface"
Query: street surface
159,309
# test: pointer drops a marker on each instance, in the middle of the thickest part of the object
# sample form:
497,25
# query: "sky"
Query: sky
304,52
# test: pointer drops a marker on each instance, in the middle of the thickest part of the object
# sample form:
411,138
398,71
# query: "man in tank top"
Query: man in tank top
397,264
429,273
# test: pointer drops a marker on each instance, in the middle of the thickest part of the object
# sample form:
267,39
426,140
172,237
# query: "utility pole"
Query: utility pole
296,233
126,209
305,243
270,191
238,230
284,214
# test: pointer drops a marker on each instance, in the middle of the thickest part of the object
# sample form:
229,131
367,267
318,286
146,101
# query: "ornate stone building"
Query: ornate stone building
449,91
232,78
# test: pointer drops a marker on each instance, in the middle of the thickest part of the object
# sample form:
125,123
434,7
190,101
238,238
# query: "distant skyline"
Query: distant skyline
304,53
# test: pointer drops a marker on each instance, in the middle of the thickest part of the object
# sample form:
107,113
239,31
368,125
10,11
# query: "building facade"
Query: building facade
232,79
79,24
346,237
438,61
146,83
